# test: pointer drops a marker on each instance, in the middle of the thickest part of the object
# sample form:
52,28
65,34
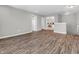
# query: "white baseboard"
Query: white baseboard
14,35
60,32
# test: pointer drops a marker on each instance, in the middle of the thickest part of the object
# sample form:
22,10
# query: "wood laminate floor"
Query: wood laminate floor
42,42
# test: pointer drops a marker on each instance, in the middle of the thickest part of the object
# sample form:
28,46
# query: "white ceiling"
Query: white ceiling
46,10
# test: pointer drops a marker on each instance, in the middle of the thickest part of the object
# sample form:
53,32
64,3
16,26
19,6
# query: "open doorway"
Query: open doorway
50,22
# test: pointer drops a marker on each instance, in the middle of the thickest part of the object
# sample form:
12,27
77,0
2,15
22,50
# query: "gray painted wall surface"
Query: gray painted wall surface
15,21
71,23
59,18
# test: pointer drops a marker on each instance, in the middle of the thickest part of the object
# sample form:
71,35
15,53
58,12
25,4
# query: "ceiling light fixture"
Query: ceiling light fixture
70,6
66,13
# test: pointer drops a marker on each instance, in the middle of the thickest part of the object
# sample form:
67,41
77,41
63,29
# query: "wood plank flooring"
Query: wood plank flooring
42,42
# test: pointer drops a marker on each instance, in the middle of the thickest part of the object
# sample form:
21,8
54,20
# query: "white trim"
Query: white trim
78,29
60,32
14,35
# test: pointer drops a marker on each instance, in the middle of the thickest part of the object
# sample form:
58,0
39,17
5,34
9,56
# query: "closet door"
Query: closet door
34,23
77,15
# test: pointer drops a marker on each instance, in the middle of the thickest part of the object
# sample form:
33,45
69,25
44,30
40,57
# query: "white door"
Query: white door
34,23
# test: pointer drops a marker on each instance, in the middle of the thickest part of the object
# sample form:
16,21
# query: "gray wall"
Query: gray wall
59,18
71,23
14,21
